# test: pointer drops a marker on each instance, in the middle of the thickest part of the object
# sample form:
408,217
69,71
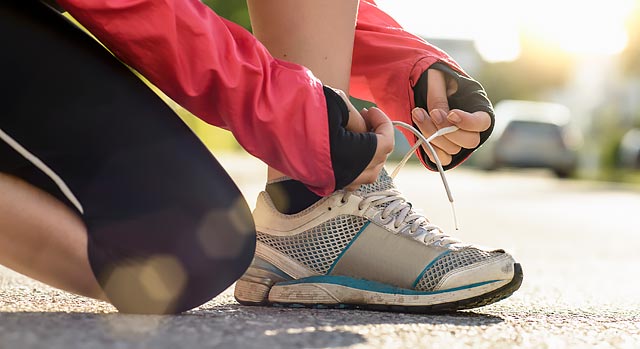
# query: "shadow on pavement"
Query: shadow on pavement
227,326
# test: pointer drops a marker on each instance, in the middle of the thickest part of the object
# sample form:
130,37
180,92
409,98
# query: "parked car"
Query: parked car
531,134
629,151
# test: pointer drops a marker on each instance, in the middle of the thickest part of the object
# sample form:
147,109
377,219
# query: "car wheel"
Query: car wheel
562,173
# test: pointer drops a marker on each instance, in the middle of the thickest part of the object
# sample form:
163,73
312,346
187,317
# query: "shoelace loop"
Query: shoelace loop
398,209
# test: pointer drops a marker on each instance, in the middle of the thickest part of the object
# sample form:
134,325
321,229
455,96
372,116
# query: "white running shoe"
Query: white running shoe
369,249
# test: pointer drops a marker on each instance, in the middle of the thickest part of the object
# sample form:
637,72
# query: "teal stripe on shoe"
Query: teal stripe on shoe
424,271
333,265
373,286
259,263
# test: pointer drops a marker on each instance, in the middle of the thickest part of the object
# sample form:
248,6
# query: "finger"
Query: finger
464,139
456,140
428,127
367,176
381,125
444,157
476,122
452,85
356,122
439,117
437,91
354,185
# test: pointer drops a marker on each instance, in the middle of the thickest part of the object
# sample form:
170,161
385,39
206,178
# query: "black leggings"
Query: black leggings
168,229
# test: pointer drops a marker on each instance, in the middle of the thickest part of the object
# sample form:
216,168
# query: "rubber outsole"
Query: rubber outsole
463,304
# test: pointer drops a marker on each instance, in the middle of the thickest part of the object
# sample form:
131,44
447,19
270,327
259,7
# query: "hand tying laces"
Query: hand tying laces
398,210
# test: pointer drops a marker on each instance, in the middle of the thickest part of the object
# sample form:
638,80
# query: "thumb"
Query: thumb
381,125
356,122
375,118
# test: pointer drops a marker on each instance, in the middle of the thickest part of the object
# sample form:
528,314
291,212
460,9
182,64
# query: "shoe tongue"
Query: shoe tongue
384,182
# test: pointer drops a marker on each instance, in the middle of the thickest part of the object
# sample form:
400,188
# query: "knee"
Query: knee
168,273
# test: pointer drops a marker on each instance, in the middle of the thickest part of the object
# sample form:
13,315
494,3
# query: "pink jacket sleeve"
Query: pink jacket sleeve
388,61
221,73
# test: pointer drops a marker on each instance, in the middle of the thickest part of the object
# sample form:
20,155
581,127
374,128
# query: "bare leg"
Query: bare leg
318,34
42,238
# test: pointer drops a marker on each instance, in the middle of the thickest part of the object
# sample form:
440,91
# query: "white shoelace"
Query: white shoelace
399,211
427,141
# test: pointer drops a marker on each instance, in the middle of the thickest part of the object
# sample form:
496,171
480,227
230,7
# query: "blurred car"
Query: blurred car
629,151
531,134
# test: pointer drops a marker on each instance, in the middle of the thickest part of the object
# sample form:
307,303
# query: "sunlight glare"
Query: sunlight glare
579,26
575,26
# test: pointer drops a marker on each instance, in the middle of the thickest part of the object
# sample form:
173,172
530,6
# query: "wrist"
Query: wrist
351,152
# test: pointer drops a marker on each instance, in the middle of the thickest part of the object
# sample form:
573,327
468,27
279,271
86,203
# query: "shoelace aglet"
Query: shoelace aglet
455,217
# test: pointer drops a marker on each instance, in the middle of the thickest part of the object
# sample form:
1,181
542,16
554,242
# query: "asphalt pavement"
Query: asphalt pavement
578,243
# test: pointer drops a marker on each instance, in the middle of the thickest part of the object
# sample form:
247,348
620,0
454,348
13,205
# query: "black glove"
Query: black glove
351,152
470,97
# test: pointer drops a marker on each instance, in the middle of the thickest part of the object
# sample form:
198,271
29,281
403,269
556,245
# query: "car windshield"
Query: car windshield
529,129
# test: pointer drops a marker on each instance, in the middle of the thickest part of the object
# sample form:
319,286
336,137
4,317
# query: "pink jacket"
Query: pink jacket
225,76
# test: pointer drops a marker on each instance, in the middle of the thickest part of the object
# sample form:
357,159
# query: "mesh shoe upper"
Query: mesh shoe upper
449,262
319,247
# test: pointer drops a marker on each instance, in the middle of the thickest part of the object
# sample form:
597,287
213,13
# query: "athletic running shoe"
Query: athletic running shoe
369,249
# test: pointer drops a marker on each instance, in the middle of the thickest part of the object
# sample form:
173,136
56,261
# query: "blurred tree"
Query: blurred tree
539,68
235,11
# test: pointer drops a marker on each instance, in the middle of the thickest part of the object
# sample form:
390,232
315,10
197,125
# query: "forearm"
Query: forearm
317,34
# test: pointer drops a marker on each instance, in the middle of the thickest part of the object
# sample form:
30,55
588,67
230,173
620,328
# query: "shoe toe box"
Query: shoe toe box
471,267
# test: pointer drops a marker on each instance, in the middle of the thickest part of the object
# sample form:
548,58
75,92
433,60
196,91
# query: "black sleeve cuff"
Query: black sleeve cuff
350,152
470,97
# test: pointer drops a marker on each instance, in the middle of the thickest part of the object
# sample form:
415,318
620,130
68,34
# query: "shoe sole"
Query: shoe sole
264,287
